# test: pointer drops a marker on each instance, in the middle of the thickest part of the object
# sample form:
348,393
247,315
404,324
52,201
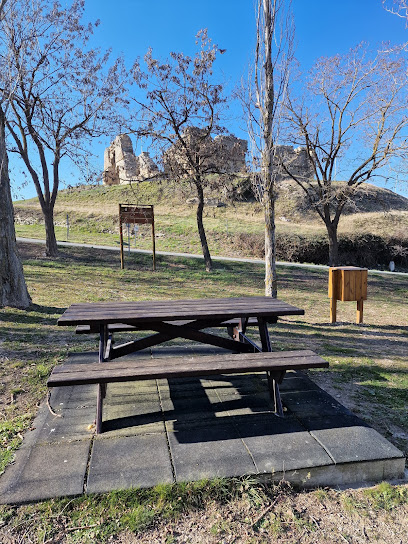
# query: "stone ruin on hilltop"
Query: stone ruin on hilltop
121,165
224,154
297,160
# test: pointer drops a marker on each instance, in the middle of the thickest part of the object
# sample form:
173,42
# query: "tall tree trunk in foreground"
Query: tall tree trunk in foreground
265,88
271,281
13,289
267,96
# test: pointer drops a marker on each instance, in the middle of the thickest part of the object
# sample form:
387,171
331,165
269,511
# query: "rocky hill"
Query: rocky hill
293,201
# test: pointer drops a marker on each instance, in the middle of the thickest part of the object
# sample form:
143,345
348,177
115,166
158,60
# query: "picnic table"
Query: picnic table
181,319
178,319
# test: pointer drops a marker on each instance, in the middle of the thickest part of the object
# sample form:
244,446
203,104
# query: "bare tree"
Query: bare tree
13,289
263,98
63,94
352,120
397,7
179,115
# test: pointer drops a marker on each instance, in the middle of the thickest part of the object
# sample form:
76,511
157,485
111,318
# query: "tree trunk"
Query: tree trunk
271,280
13,289
333,246
51,248
200,225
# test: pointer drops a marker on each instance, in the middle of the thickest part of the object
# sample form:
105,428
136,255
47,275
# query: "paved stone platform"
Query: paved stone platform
168,431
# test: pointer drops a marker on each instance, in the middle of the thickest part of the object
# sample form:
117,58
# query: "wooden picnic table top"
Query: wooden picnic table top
104,313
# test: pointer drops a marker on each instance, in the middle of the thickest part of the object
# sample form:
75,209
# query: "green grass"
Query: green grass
93,217
95,518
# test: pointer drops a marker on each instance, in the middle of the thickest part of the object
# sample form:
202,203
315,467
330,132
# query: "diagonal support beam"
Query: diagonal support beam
191,333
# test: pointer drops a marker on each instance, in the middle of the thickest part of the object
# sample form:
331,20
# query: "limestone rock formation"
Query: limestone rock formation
297,160
233,150
121,165
224,154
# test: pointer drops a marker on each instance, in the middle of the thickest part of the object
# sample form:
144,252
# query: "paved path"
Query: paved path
195,256
168,431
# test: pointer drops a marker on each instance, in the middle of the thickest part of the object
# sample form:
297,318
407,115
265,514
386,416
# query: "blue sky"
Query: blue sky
323,27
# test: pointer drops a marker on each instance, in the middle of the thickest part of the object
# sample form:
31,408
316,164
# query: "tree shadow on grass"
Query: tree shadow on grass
365,341
40,315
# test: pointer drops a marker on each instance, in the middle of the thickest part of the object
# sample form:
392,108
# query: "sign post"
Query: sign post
136,215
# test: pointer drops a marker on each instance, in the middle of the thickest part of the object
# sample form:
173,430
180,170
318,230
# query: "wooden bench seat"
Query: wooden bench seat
124,370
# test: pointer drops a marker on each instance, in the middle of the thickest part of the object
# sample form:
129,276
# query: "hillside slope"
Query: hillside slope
291,200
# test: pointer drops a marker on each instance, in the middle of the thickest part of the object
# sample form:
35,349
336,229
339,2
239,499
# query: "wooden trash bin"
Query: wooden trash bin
347,283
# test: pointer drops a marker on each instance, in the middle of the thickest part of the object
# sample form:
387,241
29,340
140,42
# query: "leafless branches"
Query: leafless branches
179,114
352,119
263,98
397,7
61,92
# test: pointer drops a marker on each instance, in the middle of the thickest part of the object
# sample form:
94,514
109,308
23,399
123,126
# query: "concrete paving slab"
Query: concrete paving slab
352,443
177,389
137,389
73,425
45,471
73,397
129,422
312,403
244,383
260,402
209,452
196,428
280,444
297,381
137,412
70,424
125,462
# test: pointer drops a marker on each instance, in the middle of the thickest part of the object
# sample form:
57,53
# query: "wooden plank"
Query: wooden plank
245,302
364,284
131,313
71,374
159,338
226,358
121,327
135,219
347,283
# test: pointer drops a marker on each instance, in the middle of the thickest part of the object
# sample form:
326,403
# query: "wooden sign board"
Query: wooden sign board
136,215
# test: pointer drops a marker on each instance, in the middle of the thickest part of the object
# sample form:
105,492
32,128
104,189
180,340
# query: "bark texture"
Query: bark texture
13,289
201,230
271,280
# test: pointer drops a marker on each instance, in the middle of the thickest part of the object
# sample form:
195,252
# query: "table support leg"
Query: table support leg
99,405
104,340
274,379
264,334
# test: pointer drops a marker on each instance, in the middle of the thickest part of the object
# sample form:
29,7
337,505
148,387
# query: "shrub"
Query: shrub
364,250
